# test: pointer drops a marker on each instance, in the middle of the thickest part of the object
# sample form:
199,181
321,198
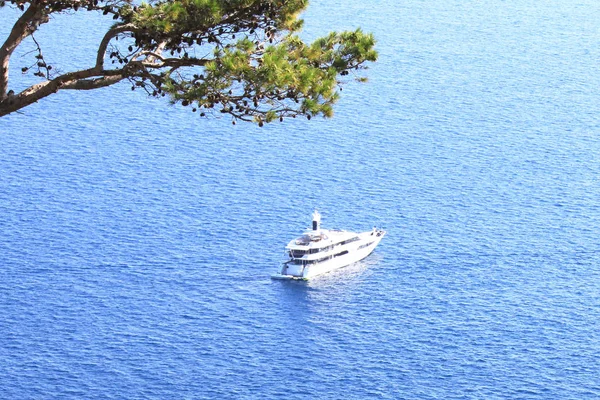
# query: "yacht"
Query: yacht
319,251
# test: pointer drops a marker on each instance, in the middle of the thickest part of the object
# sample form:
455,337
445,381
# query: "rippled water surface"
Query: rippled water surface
138,239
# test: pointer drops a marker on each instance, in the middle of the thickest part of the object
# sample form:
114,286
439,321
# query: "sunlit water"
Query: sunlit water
138,239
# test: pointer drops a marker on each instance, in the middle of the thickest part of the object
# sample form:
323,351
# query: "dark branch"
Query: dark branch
25,26
89,84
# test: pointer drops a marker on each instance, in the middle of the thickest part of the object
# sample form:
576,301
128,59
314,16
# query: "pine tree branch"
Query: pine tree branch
111,34
89,84
250,65
25,26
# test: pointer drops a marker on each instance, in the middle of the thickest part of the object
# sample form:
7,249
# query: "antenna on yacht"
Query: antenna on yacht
316,221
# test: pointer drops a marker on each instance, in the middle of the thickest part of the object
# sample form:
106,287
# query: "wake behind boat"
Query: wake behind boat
319,251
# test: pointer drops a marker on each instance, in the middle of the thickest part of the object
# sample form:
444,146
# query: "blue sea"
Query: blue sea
138,239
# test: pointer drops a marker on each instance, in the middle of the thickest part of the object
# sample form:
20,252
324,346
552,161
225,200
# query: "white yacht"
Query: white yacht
319,251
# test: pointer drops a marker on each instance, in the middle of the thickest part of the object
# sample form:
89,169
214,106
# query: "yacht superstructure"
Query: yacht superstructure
319,251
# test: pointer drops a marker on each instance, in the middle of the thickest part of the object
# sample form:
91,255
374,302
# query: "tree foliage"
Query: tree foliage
237,57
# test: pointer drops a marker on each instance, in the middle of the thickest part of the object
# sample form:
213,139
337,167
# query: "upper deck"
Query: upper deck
321,238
